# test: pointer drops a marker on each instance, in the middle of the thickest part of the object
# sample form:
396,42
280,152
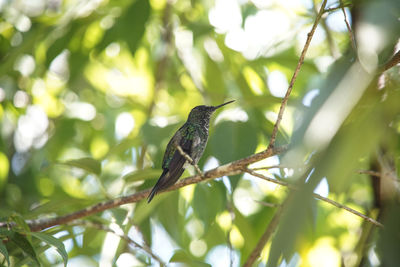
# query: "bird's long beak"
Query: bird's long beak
217,107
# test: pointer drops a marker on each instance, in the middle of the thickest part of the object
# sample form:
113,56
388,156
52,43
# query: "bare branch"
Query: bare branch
267,204
129,240
341,206
273,224
270,167
332,9
351,35
372,173
275,220
232,168
393,61
296,72
330,201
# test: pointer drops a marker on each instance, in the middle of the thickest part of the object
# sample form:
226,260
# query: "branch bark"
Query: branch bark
232,168
328,200
265,237
296,72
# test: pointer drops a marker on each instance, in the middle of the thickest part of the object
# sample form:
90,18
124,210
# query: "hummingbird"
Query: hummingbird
192,138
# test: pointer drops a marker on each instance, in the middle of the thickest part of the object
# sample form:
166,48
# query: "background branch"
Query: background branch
125,237
330,201
296,72
273,224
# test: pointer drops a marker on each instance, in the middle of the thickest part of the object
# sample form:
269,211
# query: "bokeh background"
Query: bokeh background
91,91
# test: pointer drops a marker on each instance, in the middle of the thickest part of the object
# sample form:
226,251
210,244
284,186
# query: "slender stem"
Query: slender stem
273,224
232,168
372,173
190,160
393,61
351,35
330,201
125,237
296,72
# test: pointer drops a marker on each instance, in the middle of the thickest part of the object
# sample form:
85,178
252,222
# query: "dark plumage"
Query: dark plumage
192,138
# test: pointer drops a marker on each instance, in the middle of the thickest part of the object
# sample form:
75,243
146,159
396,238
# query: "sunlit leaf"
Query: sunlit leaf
22,242
49,239
233,140
181,256
3,250
129,27
142,175
19,220
88,164
208,201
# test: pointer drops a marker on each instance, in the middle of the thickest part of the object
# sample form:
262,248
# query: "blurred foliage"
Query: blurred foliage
91,92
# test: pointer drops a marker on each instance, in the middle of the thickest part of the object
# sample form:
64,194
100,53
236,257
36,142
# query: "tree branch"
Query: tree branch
351,35
273,224
275,220
125,237
296,72
393,61
232,168
330,201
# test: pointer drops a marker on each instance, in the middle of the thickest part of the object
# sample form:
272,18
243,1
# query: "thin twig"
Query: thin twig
379,175
129,240
190,160
231,168
351,35
267,204
341,206
332,9
372,173
296,72
330,201
334,51
270,167
273,224
393,61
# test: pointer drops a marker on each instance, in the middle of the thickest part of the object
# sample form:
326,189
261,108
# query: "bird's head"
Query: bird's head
203,112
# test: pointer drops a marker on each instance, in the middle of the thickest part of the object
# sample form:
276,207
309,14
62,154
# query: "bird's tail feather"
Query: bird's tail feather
158,186
151,195
166,180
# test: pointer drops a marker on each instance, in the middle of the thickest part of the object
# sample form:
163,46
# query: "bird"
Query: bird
192,138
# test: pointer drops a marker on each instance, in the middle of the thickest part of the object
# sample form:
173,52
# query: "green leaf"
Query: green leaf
215,79
233,140
17,218
170,218
22,242
129,27
184,257
119,215
88,164
139,175
208,201
3,250
51,240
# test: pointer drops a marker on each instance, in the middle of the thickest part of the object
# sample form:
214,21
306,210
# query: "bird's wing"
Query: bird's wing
173,168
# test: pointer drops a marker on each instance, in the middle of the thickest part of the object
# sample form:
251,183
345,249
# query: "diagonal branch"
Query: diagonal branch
273,224
351,35
296,72
129,240
395,60
232,168
330,201
275,220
